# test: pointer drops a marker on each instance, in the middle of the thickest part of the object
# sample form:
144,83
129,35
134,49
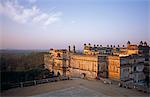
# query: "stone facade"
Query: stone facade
126,68
113,67
71,64
84,66
110,50
117,63
96,50
102,66
144,50
57,61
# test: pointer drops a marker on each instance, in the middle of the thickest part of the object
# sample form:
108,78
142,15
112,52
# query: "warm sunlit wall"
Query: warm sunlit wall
114,67
84,64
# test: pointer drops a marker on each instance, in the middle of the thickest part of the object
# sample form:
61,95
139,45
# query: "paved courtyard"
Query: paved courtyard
75,88
79,91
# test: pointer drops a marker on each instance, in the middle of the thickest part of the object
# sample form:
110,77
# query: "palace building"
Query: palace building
71,64
130,63
126,68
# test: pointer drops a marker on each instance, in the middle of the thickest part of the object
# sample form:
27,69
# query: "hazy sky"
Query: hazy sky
43,24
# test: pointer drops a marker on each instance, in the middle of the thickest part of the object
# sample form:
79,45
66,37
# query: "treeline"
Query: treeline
21,67
8,79
21,76
21,62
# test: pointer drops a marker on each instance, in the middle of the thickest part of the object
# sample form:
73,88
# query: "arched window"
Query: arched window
58,55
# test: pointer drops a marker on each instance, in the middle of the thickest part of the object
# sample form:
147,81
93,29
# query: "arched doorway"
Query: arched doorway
83,75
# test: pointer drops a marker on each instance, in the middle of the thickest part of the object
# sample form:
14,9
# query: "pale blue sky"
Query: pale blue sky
43,24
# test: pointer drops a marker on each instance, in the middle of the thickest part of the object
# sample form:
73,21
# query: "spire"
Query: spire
141,43
110,45
145,43
128,43
69,48
74,49
89,44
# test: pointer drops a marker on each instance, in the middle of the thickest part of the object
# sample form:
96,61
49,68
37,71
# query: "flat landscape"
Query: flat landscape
74,88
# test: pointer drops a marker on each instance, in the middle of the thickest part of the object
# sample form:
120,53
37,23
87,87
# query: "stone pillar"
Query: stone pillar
21,84
34,82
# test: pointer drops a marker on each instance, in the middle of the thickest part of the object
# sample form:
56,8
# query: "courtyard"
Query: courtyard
74,88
